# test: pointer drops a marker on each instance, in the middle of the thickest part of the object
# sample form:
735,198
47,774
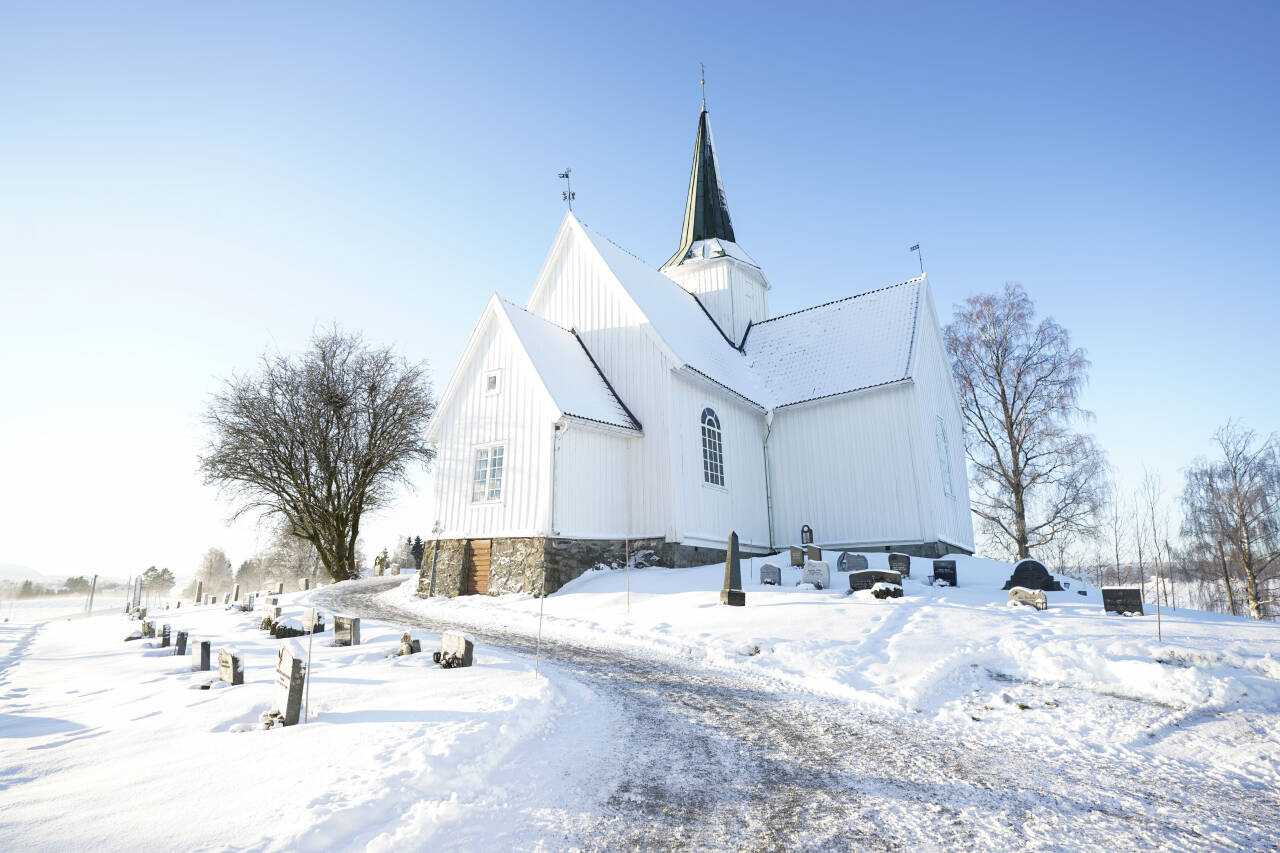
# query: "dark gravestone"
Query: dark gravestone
770,574
456,649
200,653
797,556
851,562
1031,574
304,584
732,593
865,580
235,592
817,573
180,643
280,588
346,630
813,552
806,535
901,564
230,666
1122,599
945,570
164,636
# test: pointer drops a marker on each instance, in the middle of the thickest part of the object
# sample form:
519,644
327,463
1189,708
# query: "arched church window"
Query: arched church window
944,458
712,449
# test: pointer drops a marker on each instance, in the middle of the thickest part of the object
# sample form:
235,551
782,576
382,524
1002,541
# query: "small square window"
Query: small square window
491,382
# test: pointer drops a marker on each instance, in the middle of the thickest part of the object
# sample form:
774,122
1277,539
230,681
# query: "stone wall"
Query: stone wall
451,576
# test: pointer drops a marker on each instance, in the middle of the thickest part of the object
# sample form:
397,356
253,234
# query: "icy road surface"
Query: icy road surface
701,758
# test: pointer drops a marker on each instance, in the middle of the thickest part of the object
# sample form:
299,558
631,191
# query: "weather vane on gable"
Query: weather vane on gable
919,254
568,194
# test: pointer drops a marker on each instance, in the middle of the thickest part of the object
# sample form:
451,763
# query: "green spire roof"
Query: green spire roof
706,214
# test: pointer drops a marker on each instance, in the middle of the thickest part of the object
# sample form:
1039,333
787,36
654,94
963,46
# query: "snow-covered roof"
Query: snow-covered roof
704,250
847,345
567,370
680,321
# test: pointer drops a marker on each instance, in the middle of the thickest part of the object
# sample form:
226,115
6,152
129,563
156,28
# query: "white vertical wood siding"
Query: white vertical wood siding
848,467
706,514
936,397
592,498
731,291
521,416
580,293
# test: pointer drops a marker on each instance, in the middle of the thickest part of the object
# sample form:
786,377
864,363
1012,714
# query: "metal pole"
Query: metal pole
93,586
1159,628
306,698
627,550
542,603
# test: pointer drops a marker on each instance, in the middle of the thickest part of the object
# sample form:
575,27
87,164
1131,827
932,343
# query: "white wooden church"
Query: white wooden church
631,409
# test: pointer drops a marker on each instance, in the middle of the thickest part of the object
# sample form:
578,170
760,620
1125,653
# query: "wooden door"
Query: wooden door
478,567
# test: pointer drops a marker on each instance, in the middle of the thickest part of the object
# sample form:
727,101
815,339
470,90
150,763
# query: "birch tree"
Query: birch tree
1035,476
1232,506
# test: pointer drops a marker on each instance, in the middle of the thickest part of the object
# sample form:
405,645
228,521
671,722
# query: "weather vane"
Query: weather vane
919,254
568,194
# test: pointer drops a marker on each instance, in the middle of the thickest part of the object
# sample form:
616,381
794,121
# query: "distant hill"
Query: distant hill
19,572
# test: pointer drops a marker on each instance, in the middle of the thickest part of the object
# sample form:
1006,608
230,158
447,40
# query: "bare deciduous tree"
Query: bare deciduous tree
1035,477
215,571
1232,507
320,439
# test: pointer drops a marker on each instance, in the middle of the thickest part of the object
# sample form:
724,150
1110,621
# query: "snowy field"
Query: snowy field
1091,683
28,611
108,745
112,745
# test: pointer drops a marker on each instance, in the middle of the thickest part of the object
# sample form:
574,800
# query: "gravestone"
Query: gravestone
901,564
866,580
226,598
945,570
346,630
797,556
199,599
304,584
395,568
851,562
200,650
235,592
280,588
230,665
806,535
771,575
164,636
1031,574
312,621
456,649
817,573
813,552
290,674
180,643
141,613
211,599
1030,597
408,645
1122,599
148,628
732,593
248,604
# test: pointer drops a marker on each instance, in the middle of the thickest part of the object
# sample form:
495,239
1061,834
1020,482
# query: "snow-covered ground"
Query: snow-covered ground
108,745
28,611
1208,693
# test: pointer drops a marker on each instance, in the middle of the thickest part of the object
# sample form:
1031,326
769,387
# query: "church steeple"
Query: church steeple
706,213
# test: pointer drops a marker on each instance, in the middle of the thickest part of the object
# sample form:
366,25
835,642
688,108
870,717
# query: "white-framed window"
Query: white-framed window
944,458
492,382
712,449
486,484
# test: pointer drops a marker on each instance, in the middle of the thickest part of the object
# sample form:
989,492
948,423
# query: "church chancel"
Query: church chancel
629,410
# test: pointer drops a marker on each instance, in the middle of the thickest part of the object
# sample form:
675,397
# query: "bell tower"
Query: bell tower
709,263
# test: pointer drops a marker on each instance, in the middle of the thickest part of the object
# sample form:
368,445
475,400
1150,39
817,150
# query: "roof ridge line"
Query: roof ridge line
536,316
843,299
634,420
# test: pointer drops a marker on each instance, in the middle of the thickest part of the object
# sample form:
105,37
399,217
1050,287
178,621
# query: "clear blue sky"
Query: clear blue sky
183,185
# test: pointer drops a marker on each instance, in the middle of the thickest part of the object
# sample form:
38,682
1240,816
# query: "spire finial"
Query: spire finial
703,69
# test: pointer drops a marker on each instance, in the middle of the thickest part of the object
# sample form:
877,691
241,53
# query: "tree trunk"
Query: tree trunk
1226,579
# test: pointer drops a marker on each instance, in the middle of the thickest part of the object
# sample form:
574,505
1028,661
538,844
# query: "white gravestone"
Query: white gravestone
290,673
230,665
816,573
346,630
